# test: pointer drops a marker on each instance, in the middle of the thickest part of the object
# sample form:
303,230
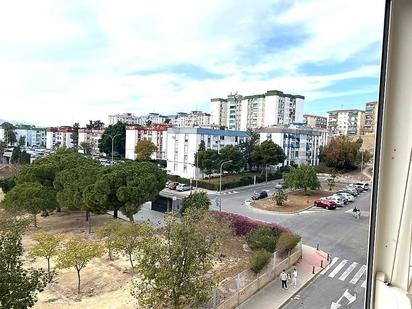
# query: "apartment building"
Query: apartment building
301,144
154,133
238,112
346,122
183,143
127,118
152,118
192,119
91,137
371,112
33,136
59,137
314,121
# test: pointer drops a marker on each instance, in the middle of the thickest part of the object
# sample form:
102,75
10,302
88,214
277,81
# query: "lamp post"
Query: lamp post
220,179
113,137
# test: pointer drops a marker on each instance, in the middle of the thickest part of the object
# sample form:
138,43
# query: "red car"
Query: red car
325,204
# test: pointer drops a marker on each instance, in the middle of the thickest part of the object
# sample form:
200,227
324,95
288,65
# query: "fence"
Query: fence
232,292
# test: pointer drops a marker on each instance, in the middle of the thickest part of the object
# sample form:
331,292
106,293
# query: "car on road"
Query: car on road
172,185
346,195
259,196
183,187
337,200
350,190
363,185
325,204
344,198
359,188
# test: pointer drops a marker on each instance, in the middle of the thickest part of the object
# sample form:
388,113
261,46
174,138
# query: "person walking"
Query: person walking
284,279
294,277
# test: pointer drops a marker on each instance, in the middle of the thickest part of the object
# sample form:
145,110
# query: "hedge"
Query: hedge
259,259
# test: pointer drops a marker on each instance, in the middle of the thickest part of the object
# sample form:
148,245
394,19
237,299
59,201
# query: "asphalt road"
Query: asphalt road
336,231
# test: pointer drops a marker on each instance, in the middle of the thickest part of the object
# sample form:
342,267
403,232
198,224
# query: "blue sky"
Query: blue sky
69,61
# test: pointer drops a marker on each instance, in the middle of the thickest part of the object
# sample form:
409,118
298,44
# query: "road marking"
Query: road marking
364,284
358,275
329,266
348,271
338,268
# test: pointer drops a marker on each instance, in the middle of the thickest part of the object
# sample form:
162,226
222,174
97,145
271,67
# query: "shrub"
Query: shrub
198,200
262,238
280,197
287,241
259,259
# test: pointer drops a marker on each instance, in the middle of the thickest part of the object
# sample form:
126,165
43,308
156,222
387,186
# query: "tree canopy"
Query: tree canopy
268,153
302,177
248,146
144,150
119,143
208,161
230,152
95,125
9,133
198,200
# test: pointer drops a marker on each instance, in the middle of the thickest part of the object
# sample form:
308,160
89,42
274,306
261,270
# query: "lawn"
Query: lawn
232,177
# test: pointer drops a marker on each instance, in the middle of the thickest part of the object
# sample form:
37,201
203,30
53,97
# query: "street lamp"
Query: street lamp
220,180
113,137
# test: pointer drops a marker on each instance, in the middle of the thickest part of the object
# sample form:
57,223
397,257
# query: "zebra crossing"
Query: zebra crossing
343,270
229,192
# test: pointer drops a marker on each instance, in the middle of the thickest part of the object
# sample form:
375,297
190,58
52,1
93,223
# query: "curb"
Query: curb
280,213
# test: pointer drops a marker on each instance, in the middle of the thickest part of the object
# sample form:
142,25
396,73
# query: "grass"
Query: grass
232,177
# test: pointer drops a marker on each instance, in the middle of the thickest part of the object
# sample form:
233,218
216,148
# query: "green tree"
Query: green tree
77,253
248,146
302,177
208,161
262,238
87,148
47,246
24,158
107,232
18,286
173,266
230,152
8,183
105,143
128,238
198,200
15,155
22,141
9,133
268,153
95,125
280,197
287,241
32,198
75,136
331,181
144,150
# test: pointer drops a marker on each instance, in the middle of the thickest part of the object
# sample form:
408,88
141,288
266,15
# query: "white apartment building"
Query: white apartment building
59,137
153,118
192,119
371,114
91,137
346,122
33,136
128,118
300,144
314,121
154,133
274,107
183,143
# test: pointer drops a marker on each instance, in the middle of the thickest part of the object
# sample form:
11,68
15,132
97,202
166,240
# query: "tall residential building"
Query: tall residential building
33,136
274,107
301,144
371,112
127,118
346,122
152,118
192,119
154,133
59,137
314,121
91,137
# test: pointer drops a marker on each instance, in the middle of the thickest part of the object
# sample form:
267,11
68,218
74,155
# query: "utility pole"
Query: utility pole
220,180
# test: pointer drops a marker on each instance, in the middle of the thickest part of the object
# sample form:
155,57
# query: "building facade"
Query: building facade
346,122
192,119
59,137
314,121
371,112
301,144
151,118
127,118
274,107
183,143
91,137
32,136
154,133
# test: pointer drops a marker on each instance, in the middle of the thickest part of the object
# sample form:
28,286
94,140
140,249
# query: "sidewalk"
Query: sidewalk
273,296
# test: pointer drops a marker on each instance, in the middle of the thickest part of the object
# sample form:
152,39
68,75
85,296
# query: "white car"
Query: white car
338,201
348,196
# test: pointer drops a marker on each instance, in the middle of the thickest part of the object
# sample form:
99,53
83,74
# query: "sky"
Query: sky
70,61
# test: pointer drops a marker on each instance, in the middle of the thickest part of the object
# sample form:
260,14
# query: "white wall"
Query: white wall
299,109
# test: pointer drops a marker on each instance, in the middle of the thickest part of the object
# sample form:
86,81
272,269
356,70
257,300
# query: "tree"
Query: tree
15,155
47,246
302,177
105,143
268,153
95,125
75,136
331,181
9,133
30,197
24,158
198,200
248,146
144,150
208,161
280,197
8,183
87,148
173,266
78,253
18,286
108,233
22,141
230,152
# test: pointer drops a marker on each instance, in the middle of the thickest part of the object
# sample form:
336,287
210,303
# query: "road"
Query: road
336,231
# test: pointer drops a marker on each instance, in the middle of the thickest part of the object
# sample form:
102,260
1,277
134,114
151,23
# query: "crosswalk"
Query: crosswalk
229,192
343,270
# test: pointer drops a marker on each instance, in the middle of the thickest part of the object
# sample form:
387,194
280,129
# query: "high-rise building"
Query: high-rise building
371,110
31,136
314,121
346,122
192,119
127,118
239,112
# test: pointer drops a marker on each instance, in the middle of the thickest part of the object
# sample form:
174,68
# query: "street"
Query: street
345,238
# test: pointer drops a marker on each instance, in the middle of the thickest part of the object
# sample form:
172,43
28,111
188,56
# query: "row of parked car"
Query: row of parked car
343,196
172,185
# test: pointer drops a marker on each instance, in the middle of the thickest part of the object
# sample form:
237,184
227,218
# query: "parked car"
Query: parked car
325,204
338,201
346,195
364,185
344,198
259,196
357,187
173,185
352,191
183,187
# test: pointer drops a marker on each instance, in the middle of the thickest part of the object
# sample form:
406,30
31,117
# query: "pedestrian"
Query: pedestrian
284,279
294,277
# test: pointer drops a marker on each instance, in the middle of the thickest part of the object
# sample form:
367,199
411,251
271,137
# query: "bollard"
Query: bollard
313,270
328,257
321,263
317,247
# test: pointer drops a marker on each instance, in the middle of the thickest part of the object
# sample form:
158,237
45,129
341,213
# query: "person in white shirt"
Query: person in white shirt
284,279
294,277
